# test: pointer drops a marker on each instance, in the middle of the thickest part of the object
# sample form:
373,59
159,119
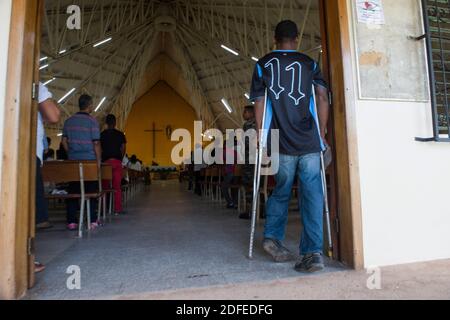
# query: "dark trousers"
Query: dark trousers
73,204
197,186
248,174
41,202
191,177
226,184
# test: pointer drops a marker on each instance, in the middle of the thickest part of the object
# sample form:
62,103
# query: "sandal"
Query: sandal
38,267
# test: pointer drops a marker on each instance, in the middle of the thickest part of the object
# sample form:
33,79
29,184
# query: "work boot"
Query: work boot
310,263
277,251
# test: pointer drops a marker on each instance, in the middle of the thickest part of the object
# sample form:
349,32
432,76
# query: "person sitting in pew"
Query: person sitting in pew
230,195
134,163
61,153
248,170
81,140
49,153
198,154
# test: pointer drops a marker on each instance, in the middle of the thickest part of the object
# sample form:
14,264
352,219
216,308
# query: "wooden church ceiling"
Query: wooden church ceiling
125,46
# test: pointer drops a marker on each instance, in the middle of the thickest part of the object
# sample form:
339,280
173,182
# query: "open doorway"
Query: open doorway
61,76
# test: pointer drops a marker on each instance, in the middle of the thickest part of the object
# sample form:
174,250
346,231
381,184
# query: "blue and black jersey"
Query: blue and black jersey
289,77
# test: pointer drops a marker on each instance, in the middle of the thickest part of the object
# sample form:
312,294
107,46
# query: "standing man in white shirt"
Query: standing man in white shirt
48,112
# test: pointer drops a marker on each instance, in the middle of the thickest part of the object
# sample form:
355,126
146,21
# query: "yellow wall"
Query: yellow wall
165,107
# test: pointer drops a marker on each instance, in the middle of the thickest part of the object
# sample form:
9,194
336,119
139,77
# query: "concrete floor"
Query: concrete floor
170,240
420,281
173,245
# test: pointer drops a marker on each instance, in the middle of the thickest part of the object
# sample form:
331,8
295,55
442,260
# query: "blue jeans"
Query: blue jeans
311,201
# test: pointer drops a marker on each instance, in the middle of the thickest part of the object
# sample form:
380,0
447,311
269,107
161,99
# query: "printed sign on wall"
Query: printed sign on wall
370,12
390,65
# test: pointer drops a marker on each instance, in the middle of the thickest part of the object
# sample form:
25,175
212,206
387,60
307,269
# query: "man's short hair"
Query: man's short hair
110,119
250,108
286,30
85,101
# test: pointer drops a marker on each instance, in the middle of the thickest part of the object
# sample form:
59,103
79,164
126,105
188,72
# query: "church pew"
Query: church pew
136,181
237,185
58,172
107,179
204,183
215,183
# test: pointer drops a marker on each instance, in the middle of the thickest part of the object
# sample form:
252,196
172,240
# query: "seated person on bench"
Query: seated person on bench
229,168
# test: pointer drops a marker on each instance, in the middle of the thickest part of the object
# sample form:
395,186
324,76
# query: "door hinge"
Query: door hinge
336,224
30,247
34,91
330,98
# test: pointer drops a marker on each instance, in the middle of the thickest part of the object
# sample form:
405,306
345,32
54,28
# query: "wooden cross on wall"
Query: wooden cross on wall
154,131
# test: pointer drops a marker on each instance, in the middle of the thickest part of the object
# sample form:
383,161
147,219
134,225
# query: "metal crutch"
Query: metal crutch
324,181
257,179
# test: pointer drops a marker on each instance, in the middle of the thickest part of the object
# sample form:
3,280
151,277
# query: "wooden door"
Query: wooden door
19,151
344,174
331,171
33,131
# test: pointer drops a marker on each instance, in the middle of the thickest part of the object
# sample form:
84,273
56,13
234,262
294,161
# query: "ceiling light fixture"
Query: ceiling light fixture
43,67
227,105
102,42
66,95
49,81
63,51
43,59
229,50
255,59
100,104
247,96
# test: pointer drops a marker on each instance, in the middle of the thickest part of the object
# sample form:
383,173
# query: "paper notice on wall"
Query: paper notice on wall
370,12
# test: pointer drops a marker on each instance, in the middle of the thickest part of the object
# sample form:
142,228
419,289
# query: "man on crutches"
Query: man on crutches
283,83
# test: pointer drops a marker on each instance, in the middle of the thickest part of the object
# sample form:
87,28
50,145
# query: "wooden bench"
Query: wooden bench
204,181
107,178
57,172
125,187
214,183
135,184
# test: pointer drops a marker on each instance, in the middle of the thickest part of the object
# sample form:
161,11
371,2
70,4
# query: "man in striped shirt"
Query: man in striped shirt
81,140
